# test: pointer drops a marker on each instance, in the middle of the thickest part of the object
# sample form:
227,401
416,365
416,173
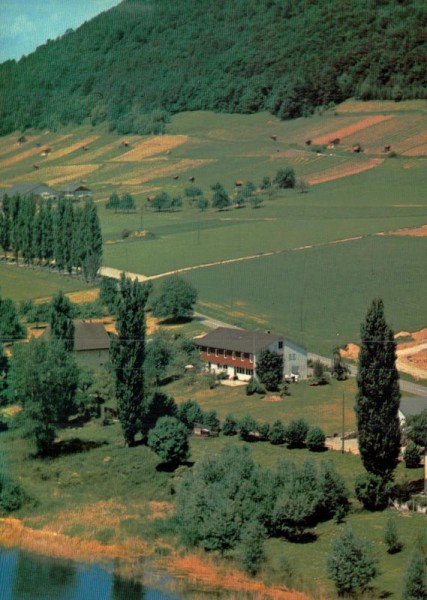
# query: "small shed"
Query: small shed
200,430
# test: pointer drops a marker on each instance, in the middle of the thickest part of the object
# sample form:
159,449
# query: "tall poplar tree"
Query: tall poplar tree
15,233
67,236
378,396
128,354
61,320
5,224
91,241
27,215
48,240
59,234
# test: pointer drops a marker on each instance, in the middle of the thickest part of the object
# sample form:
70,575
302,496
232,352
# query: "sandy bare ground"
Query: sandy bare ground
411,355
409,231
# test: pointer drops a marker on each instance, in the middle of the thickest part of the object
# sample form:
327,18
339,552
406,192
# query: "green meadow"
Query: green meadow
317,295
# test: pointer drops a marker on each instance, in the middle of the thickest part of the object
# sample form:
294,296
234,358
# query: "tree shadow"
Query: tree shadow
306,537
76,446
171,467
177,320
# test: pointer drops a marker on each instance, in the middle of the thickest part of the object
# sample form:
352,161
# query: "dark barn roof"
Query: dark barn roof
71,188
28,189
87,336
238,340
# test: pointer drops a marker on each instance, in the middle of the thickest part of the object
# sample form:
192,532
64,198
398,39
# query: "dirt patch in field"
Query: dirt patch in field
375,106
351,129
411,232
72,148
344,170
272,399
351,352
417,151
159,510
161,143
12,160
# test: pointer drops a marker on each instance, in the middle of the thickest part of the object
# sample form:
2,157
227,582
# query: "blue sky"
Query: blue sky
26,24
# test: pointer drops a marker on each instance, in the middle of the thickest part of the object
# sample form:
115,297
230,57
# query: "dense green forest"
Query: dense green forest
136,63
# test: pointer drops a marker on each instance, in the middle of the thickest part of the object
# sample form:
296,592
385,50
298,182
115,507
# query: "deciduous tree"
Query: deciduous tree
169,439
175,299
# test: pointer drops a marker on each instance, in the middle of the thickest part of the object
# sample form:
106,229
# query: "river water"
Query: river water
25,576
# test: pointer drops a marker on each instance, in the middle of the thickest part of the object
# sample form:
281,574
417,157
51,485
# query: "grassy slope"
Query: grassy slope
312,295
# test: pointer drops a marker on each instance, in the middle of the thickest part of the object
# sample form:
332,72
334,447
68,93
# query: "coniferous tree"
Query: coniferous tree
128,354
59,234
252,554
27,218
351,565
38,232
47,240
4,369
378,396
113,202
61,320
15,232
5,224
415,582
67,231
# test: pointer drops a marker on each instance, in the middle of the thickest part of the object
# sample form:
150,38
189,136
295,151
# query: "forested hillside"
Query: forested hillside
143,59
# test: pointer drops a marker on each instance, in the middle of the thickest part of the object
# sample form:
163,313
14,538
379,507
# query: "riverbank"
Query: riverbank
189,570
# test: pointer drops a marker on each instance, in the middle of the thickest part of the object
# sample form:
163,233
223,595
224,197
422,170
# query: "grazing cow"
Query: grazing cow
356,148
36,167
125,143
335,141
176,177
192,179
168,152
238,183
387,147
273,137
84,148
151,198
308,142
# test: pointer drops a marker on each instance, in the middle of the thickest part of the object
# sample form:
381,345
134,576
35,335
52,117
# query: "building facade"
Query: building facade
235,352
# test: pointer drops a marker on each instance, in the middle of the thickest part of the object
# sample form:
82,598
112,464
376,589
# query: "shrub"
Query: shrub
412,456
254,387
390,537
189,413
12,496
230,425
372,491
246,426
264,431
285,178
252,553
277,433
210,419
296,433
169,440
125,233
316,439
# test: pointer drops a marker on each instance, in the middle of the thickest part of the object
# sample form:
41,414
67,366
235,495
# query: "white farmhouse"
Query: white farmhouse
235,352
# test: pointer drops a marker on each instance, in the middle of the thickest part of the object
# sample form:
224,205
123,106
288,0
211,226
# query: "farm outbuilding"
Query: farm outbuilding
76,191
37,190
91,342
235,352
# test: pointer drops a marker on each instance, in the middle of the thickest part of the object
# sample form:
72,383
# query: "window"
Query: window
292,356
251,358
225,353
233,355
249,372
242,356
208,350
216,351
224,367
280,345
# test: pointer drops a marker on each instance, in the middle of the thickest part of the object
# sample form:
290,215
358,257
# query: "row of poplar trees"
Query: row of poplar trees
41,233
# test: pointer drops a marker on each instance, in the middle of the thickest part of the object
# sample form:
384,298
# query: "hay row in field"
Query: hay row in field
349,130
16,158
54,175
375,106
138,176
161,143
344,170
69,149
